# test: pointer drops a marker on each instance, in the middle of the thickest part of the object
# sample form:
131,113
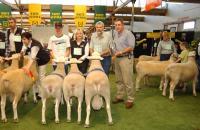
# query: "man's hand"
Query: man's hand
118,53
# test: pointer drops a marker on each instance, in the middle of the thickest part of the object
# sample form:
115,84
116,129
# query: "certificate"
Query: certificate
2,45
17,38
77,51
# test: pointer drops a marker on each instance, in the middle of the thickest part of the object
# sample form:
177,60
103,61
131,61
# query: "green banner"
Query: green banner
99,13
5,13
56,13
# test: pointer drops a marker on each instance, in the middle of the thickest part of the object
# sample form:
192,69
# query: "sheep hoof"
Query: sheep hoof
110,123
137,89
35,101
86,125
68,121
78,122
164,94
16,120
57,122
44,123
172,99
4,120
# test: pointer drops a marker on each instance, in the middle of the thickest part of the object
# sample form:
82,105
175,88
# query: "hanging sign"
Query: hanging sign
80,15
34,14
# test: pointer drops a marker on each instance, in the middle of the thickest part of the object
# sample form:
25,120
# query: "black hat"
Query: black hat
58,25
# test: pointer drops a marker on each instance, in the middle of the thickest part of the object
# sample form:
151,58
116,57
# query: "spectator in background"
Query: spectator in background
198,63
165,47
80,50
14,41
59,44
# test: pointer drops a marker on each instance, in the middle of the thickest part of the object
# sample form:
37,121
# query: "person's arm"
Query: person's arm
198,49
68,48
86,52
50,46
174,48
159,49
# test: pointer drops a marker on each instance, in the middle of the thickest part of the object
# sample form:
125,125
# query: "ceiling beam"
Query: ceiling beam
90,9
185,1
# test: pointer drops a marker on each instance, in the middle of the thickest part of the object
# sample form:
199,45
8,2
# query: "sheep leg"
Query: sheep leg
80,99
34,93
43,110
3,105
138,79
194,87
172,86
165,87
67,99
161,83
88,98
15,102
25,97
56,110
107,99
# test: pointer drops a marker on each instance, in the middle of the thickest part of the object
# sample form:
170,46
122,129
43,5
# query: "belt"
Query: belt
124,55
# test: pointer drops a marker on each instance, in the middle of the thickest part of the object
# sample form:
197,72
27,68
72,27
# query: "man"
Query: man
14,42
59,44
124,43
165,47
100,42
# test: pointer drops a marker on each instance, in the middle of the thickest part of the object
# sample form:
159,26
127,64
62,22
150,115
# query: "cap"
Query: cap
58,25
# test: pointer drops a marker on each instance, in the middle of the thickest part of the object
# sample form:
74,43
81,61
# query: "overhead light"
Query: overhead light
174,3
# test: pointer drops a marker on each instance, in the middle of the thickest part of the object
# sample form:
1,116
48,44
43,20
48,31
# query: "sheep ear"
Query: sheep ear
101,58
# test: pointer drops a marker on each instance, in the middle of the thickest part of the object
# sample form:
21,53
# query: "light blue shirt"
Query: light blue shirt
123,40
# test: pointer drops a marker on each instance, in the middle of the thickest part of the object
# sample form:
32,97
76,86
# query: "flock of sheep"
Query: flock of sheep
16,81
176,73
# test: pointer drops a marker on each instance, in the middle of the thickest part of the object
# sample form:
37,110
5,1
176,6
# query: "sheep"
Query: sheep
51,86
152,68
147,58
73,85
96,85
1,63
15,87
181,72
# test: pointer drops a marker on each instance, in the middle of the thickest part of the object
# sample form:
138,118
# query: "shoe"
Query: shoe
117,100
38,97
128,104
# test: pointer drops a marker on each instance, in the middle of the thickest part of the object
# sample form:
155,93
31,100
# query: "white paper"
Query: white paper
2,45
77,51
17,38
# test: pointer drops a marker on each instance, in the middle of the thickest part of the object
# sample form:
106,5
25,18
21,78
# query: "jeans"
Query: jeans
198,83
106,63
164,57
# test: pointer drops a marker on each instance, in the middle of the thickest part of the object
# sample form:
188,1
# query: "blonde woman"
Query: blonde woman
80,49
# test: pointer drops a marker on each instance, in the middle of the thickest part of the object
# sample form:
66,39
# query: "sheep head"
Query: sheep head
74,61
95,56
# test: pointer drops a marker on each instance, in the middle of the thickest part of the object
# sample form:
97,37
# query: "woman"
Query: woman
80,50
36,52
165,47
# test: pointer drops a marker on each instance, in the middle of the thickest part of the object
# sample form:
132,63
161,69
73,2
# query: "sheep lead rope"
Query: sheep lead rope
29,73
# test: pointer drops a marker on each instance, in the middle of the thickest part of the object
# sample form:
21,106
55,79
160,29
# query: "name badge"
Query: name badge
2,45
17,38
168,47
77,51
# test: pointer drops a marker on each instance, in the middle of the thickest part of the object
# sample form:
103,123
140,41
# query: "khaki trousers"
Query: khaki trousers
124,78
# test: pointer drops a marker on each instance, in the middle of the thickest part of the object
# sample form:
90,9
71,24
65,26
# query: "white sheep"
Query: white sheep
96,85
152,68
181,72
73,85
51,86
15,87
147,58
